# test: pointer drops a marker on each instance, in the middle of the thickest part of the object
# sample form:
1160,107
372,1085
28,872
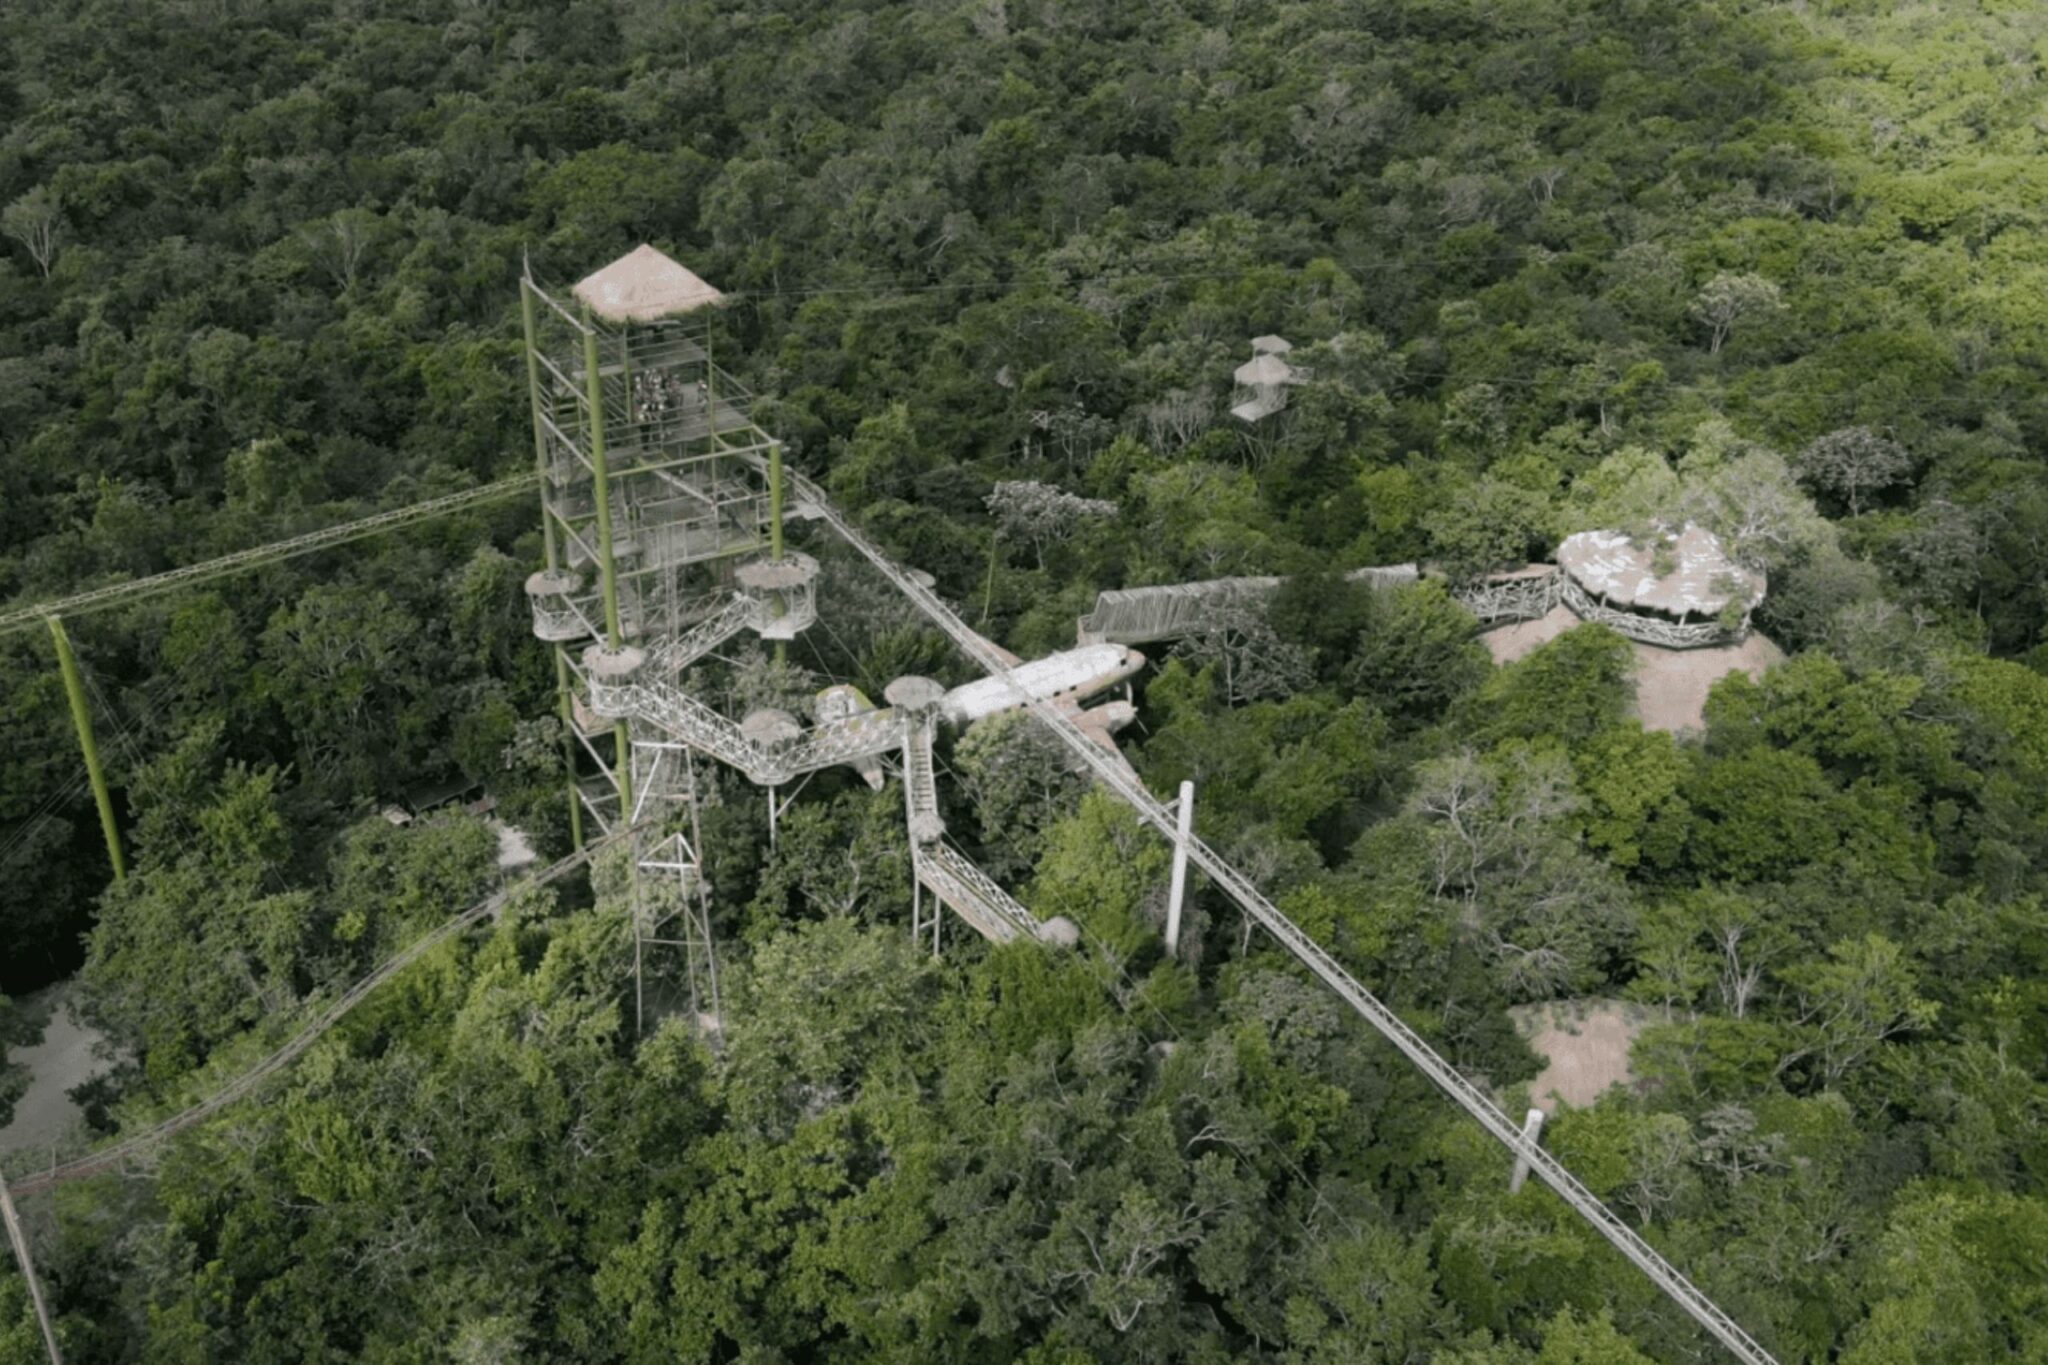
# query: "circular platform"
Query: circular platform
913,693
1061,931
613,665
793,570
552,583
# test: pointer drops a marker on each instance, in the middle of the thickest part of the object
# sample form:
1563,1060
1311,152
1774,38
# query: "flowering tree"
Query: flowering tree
1853,463
1042,513
1728,299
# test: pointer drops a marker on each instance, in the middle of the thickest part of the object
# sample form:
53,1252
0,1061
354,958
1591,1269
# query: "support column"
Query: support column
1180,868
775,500
593,384
81,720
775,527
771,816
1532,1132
568,715
547,527
18,1239
701,894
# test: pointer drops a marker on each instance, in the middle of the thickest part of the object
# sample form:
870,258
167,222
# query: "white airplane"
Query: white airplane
1066,679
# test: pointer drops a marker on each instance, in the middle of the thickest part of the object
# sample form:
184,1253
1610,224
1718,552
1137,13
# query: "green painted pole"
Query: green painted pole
568,715
540,437
775,525
601,483
614,637
547,526
775,500
81,718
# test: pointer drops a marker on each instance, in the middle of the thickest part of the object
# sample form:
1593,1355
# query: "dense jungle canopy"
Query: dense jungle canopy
1554,264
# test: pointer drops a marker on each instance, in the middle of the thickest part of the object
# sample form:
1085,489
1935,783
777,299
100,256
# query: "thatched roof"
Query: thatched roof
1702,580
644,286
1271,345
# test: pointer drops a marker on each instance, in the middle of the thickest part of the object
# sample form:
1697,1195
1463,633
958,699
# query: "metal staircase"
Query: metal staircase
920,787
971,893
677,653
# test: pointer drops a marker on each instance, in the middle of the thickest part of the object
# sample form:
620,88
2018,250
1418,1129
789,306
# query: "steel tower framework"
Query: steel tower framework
653,482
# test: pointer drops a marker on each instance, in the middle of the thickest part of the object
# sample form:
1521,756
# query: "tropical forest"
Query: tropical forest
1558,875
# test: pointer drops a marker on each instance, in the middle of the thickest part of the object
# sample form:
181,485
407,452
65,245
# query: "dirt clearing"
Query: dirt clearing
1587,1042
1671,684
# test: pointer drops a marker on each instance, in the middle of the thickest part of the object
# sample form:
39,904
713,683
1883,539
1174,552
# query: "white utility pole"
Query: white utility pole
1180,868
1532,1133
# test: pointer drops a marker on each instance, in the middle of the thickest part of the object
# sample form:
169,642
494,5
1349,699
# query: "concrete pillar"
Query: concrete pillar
1532,1133
775,500
774,527
1180,868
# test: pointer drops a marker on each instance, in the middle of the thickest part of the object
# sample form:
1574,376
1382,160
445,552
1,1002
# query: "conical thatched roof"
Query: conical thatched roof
644,286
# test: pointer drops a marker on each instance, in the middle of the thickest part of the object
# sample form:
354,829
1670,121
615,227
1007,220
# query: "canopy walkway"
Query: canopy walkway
920,786
972,894
943,870
1136,616
1239,888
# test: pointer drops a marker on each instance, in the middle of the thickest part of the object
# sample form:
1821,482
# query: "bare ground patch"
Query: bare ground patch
1587,1043
1671,684
1509,643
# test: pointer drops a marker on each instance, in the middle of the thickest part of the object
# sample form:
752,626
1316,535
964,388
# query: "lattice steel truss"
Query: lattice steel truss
654,484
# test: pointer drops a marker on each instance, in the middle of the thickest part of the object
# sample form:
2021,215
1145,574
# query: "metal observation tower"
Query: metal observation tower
663,505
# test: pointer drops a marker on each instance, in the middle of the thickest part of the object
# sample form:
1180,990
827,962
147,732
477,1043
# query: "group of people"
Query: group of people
661,397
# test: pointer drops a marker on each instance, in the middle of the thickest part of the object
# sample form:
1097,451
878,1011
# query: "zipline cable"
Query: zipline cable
114,594
95,1163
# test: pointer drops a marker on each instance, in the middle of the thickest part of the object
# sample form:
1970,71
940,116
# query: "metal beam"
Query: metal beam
18,1239
81,720
117,594
547,526
614,638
